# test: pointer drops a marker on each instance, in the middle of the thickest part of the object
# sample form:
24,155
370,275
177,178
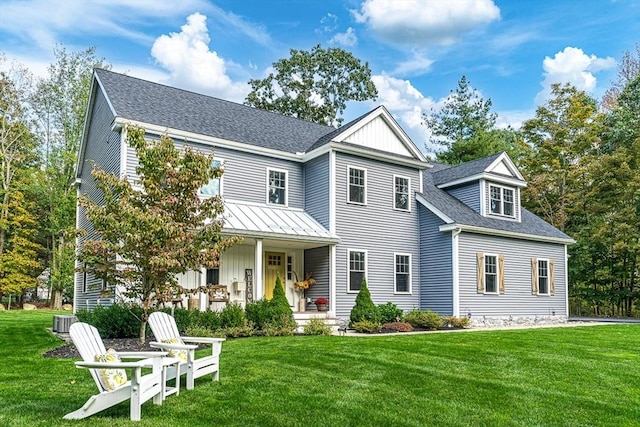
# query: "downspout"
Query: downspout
455,273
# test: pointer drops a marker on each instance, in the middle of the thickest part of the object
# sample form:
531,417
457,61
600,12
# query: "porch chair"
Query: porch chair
168,338
109,374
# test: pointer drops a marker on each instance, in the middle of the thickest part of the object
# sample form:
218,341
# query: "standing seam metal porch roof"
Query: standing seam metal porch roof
254,220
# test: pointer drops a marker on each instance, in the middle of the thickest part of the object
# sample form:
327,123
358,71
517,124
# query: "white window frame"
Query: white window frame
395,193
286,186
502,201
497,274
395,274
220,163
364,202
366,264
548,276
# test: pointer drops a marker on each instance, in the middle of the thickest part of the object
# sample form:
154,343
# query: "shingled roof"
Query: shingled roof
147,102
461,214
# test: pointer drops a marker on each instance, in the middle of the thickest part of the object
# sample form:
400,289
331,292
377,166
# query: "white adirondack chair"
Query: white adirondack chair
139,388
168,338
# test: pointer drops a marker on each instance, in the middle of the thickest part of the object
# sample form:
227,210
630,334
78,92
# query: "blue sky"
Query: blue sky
510,50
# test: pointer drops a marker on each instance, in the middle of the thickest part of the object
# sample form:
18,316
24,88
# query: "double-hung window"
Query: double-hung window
403,273
491,274
357,185
502,201
277,187
357,269
401,193
543,277
214,186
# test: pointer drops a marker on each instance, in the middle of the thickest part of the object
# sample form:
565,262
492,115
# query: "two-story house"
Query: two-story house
359,201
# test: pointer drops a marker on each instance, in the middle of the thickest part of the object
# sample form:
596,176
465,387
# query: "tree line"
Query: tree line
579,156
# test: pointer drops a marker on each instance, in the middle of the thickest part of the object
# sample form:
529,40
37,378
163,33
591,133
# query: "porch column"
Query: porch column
332,278
258,287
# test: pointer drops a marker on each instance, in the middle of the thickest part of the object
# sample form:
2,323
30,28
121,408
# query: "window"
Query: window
214,186
542,276
213,276
357,269
490,273
84,278
277,187
289,267
401,193
403,273
357,185
502,201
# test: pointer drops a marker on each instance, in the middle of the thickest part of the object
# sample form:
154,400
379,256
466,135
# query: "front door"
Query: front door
274,267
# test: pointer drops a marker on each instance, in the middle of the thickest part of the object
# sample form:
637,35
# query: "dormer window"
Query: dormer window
501,201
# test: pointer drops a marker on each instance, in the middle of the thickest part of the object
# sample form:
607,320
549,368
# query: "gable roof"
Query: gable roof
165,106
497,166
456,214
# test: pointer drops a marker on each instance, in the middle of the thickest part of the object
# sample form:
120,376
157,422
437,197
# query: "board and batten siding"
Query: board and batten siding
316,184
102,149
517,299
468,194
436,274
378,229
245,174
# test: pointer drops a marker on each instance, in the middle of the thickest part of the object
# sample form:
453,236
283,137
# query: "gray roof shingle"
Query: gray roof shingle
148,102
453,173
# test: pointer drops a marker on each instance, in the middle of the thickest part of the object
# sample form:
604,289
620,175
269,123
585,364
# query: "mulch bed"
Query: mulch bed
69,351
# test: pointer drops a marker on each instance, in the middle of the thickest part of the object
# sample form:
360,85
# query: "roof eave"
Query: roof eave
503,233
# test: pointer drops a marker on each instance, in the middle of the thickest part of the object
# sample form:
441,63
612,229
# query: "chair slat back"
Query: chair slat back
87,340
163,326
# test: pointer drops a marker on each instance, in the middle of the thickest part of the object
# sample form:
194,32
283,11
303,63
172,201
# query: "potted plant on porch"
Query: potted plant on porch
301,286
322,304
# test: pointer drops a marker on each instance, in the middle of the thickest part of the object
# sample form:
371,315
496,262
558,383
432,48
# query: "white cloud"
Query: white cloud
192,65
348,38
572,66
424,23
419,64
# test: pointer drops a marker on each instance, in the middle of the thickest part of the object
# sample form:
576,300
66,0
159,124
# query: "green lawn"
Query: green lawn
579,376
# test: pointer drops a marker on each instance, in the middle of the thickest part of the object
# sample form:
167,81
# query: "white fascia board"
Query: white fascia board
421,199
484,175
276,236
510,165
208,140
503,233
378,155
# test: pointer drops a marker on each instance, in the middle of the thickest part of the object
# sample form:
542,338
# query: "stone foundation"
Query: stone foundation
507,321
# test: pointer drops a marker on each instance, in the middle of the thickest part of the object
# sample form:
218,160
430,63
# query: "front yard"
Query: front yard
578,376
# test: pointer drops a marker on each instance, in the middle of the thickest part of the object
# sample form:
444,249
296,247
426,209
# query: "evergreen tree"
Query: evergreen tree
279,305
364,309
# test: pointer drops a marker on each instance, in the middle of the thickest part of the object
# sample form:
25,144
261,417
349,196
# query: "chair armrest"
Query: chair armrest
140,354
169,346
115,365
203,340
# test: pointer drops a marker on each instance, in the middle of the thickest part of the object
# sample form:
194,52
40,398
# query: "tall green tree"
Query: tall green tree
60,103
628,70
313,85
563,133
465,129
144,238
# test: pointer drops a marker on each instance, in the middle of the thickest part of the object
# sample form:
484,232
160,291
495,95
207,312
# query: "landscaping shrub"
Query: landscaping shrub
424,319
398,326
257,313
199,331
317,327
364,309
456,322
115,321
283,326
389,312
279,305
232,316
237,331
207,319
366,326
184,318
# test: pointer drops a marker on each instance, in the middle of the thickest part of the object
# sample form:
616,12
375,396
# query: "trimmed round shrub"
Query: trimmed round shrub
389,312
366,326
317,327
257,313
232,316
424,319
114,321
398,326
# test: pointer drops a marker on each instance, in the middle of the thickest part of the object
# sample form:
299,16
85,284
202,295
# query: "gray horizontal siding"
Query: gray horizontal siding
517,299
436,274
316,261
316,180
378,229
468,194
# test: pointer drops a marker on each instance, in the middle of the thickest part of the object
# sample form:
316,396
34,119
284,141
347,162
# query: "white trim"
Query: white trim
566,282
286,186
486,176
501,214
124,149
258,273
220,192
484,272
502,233
483,197
548,293
420,178
420,198
332,278
408,209
455,261
366,268
395,272
508,163
332,192
349,167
